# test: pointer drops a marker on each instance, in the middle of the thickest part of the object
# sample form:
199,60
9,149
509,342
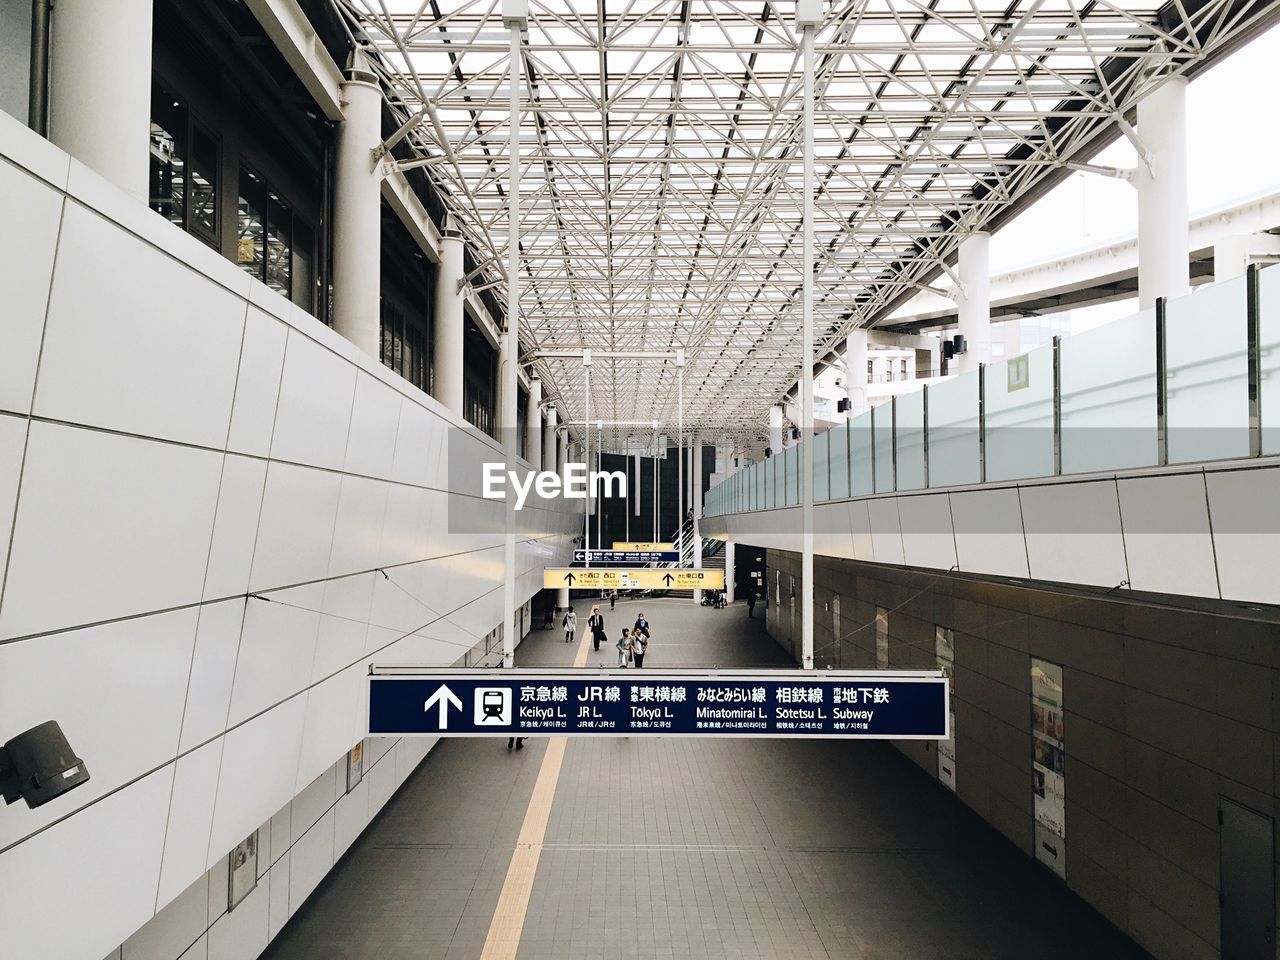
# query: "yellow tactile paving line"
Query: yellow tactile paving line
507,924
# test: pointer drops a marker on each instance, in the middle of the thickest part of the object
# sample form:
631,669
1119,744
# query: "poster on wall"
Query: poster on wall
882,638
945,644
1049,765
244,870
355,766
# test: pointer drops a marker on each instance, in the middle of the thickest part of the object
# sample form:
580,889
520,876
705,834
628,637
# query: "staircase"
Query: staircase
712,556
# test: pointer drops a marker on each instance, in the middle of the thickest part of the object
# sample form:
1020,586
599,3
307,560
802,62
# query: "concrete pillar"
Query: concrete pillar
562,602
533,425
695,504
448,323
562,449
549,432
1163,238
855,362
974,308
100,88
775,429
357,214
730,581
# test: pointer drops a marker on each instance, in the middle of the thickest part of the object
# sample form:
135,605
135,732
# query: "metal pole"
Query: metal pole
38,90
680,462
510,386
586,459
656,461
806,365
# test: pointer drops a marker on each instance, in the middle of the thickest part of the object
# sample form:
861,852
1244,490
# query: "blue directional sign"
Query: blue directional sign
626,556
778,703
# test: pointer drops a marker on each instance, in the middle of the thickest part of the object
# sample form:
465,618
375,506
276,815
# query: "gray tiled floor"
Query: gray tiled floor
667,848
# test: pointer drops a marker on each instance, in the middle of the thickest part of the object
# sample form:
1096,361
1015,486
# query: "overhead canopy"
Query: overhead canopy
661,193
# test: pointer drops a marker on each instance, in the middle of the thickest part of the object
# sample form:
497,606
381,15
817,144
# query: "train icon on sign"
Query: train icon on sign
493,707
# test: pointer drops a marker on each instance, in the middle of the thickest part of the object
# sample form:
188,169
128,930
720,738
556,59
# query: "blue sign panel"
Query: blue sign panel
467,703
626,556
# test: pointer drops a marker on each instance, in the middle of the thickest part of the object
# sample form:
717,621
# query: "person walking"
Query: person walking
517,742
639,647
640,624
570,624
751,605
624,647
595,623
613,599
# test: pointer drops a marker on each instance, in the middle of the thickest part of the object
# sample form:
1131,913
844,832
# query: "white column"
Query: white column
730,581
533,425
974,306
562,449
808,15
562,601
855,361
100,88
1163,241
549,432
635,498
514,15
775,430
695,504
448,322
357,214
1232,255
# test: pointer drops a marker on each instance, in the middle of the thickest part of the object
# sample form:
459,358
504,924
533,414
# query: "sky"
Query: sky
1233,152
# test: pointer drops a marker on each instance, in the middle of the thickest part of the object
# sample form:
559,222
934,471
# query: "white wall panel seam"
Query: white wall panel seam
1022,522
31,401
251,594
1213,543
1124,546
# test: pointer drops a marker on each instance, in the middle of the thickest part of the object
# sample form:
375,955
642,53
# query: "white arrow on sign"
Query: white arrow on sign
444,696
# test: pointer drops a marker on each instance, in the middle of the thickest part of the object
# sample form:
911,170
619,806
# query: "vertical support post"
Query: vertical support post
357,213
974,307
893,443
695,506
1057,406
1163,233
982,423
514,15
680,454
1255,360
586,453
549,431
100,88
808,15
855,362
448,324
656,461
775,430
1162,388
924,433
533,425
38,88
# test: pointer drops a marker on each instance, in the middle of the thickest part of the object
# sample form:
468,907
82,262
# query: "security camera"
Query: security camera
39,765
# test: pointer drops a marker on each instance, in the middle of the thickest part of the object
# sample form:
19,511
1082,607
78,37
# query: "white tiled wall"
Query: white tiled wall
1184,530
200,485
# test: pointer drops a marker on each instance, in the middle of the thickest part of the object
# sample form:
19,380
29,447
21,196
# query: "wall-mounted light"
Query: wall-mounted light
39,765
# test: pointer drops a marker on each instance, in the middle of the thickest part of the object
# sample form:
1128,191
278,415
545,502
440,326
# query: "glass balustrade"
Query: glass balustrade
1011,421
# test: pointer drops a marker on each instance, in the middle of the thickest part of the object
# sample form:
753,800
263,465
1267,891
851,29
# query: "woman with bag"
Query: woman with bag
570,623
596,623
624,647
639,646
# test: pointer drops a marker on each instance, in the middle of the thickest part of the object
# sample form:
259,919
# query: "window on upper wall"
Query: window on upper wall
274,244
904,368
183,180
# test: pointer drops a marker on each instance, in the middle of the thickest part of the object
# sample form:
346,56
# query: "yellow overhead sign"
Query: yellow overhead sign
646,547
600,578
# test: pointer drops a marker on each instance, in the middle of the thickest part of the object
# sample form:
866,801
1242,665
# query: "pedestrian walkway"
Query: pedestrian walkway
681,847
